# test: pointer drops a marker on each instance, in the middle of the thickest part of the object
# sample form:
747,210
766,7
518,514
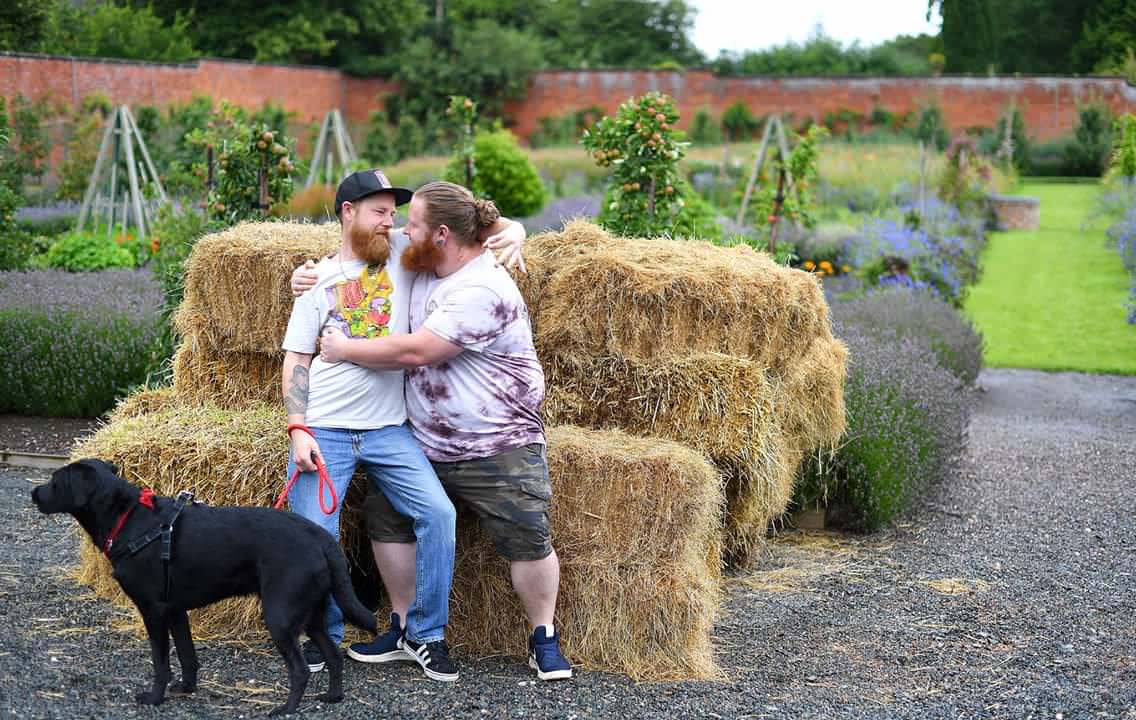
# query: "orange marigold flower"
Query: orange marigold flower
809,265
826,266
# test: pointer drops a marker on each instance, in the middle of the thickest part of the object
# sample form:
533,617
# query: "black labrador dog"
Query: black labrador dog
213,553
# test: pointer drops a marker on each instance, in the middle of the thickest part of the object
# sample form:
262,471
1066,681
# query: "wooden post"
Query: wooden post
146,155
778,199
922,181
114,178
318,155
132,174
262,197
92,185
756,168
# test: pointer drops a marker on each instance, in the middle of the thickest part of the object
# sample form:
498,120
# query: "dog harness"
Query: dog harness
164,530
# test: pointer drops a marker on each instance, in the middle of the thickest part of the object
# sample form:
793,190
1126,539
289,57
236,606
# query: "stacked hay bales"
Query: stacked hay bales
717,348
639,589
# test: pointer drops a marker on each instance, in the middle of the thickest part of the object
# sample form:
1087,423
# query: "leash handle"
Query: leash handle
324,480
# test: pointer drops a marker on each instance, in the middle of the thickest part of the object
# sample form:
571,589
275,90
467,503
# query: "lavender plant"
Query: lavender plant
75,341
907,420
911,313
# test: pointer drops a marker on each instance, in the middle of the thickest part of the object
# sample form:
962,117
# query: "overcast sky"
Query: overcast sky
759,24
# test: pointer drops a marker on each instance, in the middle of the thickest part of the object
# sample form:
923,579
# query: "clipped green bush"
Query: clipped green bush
91,250
503,173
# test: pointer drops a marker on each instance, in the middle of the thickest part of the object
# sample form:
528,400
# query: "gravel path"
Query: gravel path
1009,593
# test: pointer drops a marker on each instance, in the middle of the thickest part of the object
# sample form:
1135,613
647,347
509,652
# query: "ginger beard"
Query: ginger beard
424,256
370,246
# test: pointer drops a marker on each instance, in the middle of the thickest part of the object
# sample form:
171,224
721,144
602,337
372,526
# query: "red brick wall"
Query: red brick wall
308,91
1048,103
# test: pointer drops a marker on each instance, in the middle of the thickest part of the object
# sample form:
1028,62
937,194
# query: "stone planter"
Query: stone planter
1014,212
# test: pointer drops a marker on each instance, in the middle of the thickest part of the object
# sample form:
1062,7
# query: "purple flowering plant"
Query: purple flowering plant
907,422
74,342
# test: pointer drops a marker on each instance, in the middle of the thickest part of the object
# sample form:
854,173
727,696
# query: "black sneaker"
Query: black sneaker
384,648
313,657
434,657
545,656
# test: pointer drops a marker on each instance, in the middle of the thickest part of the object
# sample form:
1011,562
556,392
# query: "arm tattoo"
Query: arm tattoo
296,401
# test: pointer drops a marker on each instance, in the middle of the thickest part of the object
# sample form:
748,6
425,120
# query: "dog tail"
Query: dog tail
354,611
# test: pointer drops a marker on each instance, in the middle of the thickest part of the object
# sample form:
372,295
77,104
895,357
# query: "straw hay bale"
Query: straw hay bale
810,395
143,401
232,380
642,299
237,294
636,522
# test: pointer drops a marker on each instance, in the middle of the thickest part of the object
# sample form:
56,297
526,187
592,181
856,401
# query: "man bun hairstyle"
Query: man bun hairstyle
454,206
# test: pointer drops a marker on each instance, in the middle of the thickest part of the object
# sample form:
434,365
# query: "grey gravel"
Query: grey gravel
1036,532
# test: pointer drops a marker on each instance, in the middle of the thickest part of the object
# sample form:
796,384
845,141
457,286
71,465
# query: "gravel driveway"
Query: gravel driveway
1009,593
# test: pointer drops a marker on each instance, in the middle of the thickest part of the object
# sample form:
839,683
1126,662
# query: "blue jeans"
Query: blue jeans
396,465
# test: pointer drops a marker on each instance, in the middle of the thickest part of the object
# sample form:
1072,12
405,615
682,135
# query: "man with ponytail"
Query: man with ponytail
474,388
342,415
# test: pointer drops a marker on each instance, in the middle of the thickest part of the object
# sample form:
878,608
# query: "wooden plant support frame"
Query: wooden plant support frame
773,125
333,140
121,136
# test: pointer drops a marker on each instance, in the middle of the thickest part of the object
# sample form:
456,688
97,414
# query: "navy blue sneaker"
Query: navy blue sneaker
384,648
545,657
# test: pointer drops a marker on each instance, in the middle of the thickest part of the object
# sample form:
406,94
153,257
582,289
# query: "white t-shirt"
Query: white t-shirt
362,305
486,400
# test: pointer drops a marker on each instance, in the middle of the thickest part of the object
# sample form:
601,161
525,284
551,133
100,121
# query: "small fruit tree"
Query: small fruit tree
645,197
254,169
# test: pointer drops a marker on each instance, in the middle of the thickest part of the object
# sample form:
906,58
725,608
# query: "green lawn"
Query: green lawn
1054,298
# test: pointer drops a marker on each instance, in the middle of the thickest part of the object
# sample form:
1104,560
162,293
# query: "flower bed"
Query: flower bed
76,341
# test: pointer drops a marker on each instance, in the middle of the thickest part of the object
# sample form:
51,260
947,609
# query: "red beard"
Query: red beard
372,248
422,257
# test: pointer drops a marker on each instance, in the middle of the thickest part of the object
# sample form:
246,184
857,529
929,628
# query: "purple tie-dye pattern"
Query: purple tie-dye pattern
487,399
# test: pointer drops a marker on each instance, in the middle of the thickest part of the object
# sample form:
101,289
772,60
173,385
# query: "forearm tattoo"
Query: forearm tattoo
296,401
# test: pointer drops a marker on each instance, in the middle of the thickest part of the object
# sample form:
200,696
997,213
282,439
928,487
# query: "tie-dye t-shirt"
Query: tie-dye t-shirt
486,400
362,303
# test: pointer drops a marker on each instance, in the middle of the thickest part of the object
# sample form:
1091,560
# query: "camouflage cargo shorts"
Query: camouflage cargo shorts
510,493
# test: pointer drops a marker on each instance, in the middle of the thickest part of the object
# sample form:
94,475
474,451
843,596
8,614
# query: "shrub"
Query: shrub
88,250
704,129
378,148
940,255
905,312
932,129
907,420
504,174
79,340
1087,154
739,122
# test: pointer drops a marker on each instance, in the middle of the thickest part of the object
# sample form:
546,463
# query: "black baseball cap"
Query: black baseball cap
359,185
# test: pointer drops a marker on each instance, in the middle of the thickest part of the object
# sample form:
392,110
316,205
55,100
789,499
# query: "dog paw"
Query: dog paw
329,698
149,697
181,688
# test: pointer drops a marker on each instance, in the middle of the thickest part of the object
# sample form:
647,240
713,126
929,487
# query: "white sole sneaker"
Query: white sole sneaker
392,656
422,660
317,667
551,674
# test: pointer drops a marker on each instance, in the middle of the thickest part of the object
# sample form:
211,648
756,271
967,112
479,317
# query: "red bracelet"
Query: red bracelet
300,426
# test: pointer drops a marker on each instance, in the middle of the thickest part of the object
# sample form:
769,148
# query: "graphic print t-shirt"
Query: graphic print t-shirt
486,400
362,302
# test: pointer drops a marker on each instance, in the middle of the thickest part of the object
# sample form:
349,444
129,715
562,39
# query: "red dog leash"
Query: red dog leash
324,479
